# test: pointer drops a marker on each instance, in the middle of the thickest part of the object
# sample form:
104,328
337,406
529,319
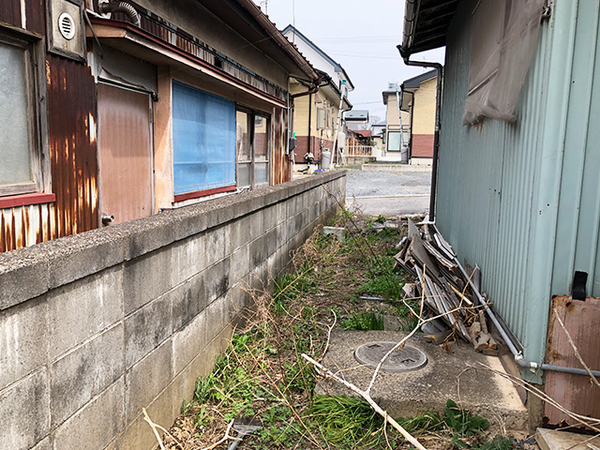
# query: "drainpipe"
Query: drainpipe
309,123
123,7
436,134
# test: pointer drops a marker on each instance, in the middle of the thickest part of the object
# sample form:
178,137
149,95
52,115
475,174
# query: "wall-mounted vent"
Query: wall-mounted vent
66,36
66,26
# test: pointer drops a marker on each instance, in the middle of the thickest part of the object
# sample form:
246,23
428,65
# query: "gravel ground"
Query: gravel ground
388,192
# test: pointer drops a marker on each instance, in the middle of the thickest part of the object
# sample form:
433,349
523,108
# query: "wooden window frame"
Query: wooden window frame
39,160
251,117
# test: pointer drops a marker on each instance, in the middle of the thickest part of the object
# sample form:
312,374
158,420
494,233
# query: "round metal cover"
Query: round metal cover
403,360
66,26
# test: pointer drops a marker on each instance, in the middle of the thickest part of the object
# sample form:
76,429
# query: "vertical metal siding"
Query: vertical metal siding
579,208
487,182
72,118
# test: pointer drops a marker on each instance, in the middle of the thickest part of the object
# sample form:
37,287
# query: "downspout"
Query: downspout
438,117
123,7
310,123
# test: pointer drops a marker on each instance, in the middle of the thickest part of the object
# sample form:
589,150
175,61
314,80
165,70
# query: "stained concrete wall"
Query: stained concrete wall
97,326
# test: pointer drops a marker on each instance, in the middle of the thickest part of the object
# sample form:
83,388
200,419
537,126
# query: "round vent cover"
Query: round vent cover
66,25
403,360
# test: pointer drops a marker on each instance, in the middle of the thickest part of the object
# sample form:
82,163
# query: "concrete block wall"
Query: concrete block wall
97,326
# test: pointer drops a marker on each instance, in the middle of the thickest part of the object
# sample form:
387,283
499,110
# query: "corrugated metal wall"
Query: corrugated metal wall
487,191
72,130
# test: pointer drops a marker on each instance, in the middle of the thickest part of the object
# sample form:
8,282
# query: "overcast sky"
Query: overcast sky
360,35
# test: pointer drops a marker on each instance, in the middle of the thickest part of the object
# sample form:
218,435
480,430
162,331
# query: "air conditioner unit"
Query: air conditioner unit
66,31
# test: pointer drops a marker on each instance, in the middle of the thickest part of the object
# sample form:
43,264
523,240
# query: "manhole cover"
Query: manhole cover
403,360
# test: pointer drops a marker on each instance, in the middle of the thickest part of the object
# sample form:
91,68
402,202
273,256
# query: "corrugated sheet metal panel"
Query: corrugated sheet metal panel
26,225
577,248
10,12
72,138
487,183
280,162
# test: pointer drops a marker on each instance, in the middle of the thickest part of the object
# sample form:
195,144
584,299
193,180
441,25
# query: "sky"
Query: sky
360,35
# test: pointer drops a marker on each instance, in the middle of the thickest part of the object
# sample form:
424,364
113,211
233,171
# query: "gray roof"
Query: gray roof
335,64
358,115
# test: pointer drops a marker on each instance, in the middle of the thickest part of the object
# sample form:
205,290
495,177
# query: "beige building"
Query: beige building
417,112
315,111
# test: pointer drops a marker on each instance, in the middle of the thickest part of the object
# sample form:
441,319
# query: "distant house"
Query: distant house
317,107
518,191
418,100
111,112
397,131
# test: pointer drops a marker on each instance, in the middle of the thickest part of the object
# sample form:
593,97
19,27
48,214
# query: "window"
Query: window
394,143
204,136
252,144
20,171
321,118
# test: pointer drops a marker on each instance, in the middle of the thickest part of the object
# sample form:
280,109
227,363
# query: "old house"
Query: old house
316,115
397,124
418,100
517,187
117,111
111,113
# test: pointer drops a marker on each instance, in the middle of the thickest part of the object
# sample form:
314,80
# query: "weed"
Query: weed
364,321
348,422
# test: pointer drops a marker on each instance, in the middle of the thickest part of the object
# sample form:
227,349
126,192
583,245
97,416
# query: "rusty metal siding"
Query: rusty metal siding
574,392
10,12
72,138
280,162
25,226
36,17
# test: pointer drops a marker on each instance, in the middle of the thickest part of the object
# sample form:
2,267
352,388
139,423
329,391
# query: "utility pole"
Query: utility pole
338,122
265,6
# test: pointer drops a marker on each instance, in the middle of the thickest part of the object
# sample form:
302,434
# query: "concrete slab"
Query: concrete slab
561,440
447,375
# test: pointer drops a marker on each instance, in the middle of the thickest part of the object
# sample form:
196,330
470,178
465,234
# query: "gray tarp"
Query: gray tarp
503,40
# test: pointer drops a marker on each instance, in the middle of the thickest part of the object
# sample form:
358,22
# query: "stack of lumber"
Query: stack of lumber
441,282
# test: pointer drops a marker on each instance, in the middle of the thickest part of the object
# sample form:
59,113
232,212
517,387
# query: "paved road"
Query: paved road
388,191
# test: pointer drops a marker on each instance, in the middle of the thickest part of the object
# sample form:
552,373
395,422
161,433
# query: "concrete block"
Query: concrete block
240,263
188,300
146,278
46,444
216,245
25,412
255,225
23,340
84,373
21,280
147,379
217,318
217,279
188,258
258,252
188,342
273,241
83,308
138,434
96,424
189,223
147,328
78,257
150,234
270,218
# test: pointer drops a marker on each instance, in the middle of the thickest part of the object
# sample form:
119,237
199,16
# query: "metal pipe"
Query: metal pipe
438,116
518,354
123,7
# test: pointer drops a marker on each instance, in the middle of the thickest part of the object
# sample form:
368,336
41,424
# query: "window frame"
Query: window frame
39,160
251,116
